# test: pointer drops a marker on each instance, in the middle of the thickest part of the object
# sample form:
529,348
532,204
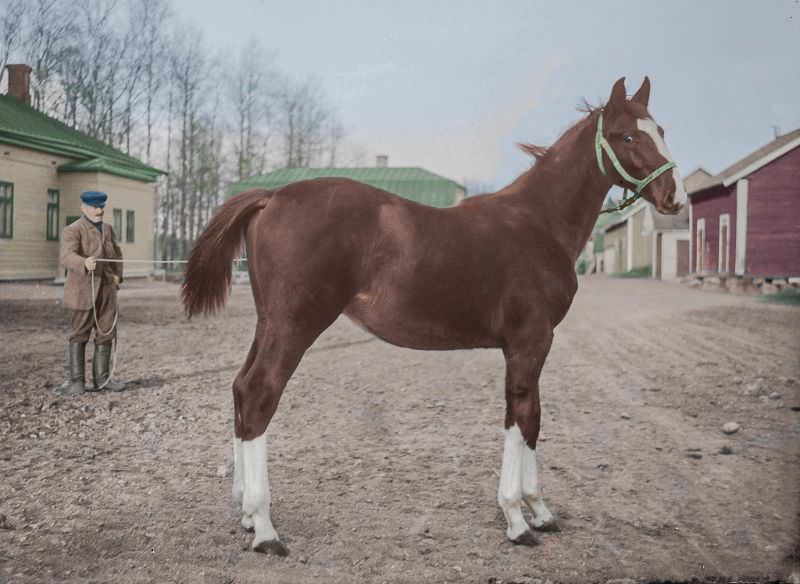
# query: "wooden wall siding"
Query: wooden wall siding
616,239
642,243
130,195
29,254
773,226
709,207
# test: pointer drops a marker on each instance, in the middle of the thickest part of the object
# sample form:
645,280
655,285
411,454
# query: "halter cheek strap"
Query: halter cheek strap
601,145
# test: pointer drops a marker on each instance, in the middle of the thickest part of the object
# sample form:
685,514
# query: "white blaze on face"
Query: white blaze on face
650,128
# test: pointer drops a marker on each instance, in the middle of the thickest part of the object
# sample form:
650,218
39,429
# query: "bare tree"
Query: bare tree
251,96
48,31
11,28
188,68
302,118
119,70
148,37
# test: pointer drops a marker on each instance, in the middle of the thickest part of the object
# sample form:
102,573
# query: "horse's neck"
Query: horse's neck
565,189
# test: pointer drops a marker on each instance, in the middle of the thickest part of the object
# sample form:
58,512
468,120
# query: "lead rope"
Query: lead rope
104,333
116,311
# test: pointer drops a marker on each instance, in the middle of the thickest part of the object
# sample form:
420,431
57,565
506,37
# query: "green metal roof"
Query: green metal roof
22,125
414,184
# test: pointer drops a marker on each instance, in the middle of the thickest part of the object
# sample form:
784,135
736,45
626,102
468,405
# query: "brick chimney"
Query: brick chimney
19,82
381,161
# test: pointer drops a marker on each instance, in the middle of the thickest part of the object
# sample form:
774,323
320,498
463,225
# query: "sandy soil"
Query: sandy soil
384,462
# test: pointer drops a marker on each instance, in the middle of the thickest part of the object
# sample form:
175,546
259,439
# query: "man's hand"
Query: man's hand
90,263
116,281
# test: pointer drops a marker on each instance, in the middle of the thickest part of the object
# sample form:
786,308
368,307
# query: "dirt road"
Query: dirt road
384,462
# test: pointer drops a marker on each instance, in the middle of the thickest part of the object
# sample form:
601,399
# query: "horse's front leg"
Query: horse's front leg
518,476
543,520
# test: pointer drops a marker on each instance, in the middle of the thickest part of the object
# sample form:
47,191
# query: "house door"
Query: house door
682,268
658,256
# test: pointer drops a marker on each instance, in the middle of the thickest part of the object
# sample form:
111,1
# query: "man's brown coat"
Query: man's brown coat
80,240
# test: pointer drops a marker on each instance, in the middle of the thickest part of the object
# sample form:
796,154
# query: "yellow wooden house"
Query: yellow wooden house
44,167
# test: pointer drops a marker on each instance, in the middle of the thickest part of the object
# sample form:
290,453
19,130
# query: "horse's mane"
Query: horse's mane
539,152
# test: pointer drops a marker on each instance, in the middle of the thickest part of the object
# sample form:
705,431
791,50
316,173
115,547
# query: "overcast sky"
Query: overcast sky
453,85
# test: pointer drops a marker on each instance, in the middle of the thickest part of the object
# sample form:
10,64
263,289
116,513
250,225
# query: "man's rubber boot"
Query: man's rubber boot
100,369
77,370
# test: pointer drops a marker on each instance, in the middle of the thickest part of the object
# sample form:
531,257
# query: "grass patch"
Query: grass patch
644,272
787,296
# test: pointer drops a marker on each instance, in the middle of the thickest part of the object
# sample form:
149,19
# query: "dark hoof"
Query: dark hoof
549,527
527,539
274,547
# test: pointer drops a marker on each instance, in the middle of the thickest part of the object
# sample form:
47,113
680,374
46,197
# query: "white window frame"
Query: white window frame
724,264
700,237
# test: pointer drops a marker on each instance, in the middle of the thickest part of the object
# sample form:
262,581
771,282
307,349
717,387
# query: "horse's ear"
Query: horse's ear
618,96
643,95
532,150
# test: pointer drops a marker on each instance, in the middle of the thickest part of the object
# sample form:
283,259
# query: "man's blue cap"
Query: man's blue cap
94,198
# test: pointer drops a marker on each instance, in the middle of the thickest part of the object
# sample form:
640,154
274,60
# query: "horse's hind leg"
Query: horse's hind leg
237,489
279,345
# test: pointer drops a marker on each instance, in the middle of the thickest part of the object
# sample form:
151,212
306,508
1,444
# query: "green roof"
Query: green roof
412,183
22,125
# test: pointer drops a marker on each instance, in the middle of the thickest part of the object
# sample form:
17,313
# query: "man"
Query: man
82,242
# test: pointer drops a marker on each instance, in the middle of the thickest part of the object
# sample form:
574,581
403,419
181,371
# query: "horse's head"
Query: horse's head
644,162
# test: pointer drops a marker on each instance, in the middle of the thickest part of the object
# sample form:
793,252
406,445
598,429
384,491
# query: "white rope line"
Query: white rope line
153,261
116,312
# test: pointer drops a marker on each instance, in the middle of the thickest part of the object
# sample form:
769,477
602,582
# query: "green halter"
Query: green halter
601,144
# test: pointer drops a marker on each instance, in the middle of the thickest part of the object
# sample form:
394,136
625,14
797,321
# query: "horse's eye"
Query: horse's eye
628,139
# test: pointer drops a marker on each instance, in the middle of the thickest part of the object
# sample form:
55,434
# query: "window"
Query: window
118,222
53,209
6,210
130,226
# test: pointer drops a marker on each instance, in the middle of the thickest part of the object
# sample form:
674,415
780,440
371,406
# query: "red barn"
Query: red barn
746,219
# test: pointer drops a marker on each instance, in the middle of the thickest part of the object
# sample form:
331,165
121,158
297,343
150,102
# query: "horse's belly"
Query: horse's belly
415,329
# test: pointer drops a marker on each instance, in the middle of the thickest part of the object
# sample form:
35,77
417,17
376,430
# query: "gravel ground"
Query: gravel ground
384,462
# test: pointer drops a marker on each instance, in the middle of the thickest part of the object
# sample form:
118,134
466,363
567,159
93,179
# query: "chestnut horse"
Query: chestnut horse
496,271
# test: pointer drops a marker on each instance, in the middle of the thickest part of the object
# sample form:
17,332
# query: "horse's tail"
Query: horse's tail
208,275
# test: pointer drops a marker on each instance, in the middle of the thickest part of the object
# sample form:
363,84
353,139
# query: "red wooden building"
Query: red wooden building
746,219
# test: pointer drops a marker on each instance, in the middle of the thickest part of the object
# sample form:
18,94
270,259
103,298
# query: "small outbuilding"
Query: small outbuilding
44,167
745,221
643,239
412,183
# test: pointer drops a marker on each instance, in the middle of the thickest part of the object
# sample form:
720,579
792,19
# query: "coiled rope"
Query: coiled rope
116,308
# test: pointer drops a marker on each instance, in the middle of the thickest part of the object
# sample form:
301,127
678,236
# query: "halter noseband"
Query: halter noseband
600,145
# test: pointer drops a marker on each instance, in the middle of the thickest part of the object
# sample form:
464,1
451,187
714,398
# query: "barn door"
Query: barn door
658,256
